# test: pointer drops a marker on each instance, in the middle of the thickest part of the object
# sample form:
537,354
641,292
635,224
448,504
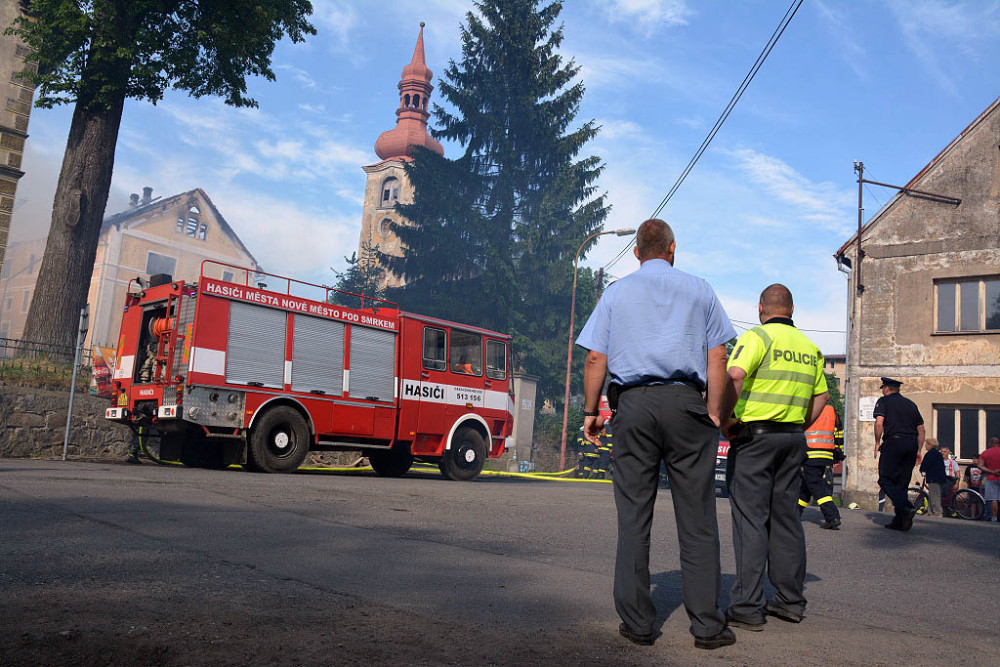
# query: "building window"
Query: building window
192,226
390,191
31,264
180,224
202,231
968,305
156,263
9,304
227,276
25,301
966,429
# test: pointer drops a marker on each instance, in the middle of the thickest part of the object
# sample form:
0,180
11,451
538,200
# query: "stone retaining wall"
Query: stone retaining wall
33,422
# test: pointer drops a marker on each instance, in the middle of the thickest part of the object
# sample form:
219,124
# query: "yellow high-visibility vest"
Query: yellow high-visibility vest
784,371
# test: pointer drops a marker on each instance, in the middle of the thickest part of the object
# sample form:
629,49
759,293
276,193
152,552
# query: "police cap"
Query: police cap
892,384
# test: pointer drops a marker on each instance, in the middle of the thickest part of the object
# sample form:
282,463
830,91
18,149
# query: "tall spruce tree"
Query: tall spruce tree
359,278
492,235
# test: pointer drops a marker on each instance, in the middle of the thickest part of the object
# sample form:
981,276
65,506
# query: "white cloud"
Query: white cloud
939,31
836,21
618,129
300,75
648,15
339,18
313,108
821,203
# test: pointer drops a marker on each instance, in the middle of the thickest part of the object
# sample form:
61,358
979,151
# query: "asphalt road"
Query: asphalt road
103,563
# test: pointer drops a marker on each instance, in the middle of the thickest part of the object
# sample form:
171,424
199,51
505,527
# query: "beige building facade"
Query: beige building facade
172,236
17,285
928,313
16,95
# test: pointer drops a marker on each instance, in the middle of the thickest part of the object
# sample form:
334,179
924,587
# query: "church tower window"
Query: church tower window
390,191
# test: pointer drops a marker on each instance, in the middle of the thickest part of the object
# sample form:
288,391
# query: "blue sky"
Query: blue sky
889,82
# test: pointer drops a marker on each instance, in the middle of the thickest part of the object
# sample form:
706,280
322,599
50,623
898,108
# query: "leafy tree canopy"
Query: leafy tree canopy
91,50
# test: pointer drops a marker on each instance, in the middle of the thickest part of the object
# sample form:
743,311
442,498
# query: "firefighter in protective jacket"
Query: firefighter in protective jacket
602,468
588,456
820,454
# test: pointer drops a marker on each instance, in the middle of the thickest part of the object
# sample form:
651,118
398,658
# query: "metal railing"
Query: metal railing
39,364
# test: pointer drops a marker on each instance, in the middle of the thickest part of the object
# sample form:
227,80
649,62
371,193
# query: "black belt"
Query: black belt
764,427
694,384
896,437
615,390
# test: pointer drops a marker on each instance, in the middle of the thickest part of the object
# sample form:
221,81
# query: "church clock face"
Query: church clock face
385,228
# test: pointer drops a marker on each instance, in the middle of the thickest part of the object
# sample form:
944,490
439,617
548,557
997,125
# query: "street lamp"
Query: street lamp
569,353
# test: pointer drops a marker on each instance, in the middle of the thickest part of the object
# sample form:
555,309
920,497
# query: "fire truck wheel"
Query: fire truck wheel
279,441
465,459
390,463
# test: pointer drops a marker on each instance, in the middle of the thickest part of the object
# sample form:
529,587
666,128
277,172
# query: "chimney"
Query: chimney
133,200
147,195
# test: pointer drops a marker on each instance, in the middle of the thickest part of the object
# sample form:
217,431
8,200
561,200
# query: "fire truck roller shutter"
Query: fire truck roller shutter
255,351
317,355
373,364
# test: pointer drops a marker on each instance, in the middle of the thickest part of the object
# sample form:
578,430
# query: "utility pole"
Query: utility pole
921,194
80,335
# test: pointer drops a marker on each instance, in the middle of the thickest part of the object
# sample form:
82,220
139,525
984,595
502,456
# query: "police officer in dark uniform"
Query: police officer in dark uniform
899,435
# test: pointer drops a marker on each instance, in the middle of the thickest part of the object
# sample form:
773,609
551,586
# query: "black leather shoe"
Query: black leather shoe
831,524
908,519
783,614
724,638
641,640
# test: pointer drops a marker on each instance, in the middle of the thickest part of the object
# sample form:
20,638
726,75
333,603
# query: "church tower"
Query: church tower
387,182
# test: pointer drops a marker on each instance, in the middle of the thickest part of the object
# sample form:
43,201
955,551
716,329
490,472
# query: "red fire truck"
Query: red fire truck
230,371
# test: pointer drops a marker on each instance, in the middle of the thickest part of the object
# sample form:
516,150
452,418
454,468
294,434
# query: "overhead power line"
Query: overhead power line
756,324
775,36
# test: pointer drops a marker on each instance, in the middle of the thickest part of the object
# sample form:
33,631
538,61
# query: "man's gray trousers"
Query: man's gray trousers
765,479
669,423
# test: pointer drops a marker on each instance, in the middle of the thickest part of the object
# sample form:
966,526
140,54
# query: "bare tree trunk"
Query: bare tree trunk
77,212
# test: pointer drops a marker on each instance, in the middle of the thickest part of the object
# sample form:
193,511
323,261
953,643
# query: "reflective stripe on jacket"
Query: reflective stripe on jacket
819,435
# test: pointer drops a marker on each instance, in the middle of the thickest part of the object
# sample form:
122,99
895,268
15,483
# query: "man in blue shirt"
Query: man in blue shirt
660,333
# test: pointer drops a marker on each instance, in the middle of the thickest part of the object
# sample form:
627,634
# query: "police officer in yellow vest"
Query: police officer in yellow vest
777,384
820,455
